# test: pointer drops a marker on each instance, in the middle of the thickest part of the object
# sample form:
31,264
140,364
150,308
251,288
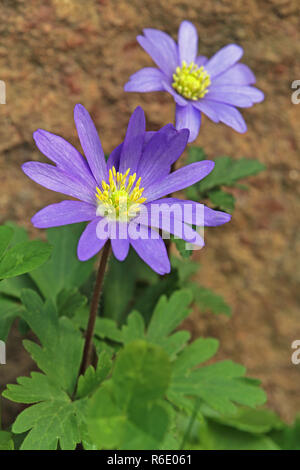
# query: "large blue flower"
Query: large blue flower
214,86
118,196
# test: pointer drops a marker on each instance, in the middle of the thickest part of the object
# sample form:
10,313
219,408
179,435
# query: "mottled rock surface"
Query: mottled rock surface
55,53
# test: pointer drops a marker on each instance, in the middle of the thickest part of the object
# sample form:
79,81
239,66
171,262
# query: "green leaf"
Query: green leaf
6,442
181,247
9,310
33,389
24,257
49,422
220,385
257,421
63,270
168,314
222,200
208,300
6,234
214,436
122,278
228,171
195,353
62,344
289,437
127,412
69,301
92,378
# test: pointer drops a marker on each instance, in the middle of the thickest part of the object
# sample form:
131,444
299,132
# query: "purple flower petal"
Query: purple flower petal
187,42
232,98
160,53
168,222
201,60
63,154
188,117
193,213
228,115
207,107
89,244
120,248
58,180
178,98
133,142
251,93
90,143
152,251
167,45
161,152
179,179
64,213
238,74
147,79
114,158
223,59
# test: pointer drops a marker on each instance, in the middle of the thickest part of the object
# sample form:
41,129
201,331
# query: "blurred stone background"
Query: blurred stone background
55,53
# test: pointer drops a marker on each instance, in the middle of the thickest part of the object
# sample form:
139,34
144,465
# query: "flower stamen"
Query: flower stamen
121,197
191,81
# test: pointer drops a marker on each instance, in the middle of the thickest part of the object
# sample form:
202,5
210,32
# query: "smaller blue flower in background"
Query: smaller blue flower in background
198,85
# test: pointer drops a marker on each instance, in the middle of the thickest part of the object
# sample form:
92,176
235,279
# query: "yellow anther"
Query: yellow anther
191,81
121,198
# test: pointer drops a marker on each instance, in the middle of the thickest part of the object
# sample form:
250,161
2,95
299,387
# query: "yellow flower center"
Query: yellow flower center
121,198
191,81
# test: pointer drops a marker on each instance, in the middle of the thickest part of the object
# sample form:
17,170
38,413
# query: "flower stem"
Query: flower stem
87,352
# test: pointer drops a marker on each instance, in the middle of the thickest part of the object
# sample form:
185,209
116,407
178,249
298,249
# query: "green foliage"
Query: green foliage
58,279
208,300
128,412
6,442
22,256
53,417
227,172
63,270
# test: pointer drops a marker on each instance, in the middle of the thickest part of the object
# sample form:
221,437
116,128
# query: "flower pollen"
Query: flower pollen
191,81
121,198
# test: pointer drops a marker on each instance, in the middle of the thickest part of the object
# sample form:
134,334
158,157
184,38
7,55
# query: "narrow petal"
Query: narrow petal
188,117
64,213
223,59
147,79
161,152
58,180
207,107
63,154
191,212
201,60
114,158
179,179
229,115
120,248
159,53
252,93
167,45
169,223
133,142
232,98
152,251
90,143
238,74
180,100
89,244
187,42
